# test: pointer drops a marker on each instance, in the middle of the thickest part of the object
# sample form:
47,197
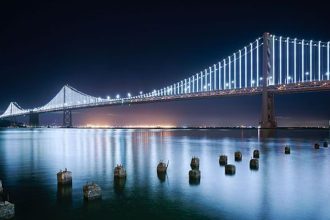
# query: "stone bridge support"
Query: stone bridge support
267,109
67,119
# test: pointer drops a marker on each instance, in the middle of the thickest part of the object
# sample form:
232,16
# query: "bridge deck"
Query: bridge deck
277,89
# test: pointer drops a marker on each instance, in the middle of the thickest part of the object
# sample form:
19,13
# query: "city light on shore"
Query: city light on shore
127,126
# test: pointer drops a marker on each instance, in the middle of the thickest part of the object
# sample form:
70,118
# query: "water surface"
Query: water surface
294,186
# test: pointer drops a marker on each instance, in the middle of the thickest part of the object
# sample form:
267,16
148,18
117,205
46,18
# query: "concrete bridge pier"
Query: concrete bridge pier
267,109
67,119
33,119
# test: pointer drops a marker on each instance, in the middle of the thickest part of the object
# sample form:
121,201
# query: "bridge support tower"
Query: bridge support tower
267,109
67,119
34,119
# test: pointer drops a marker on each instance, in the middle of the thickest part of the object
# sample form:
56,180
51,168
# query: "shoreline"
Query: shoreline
173,128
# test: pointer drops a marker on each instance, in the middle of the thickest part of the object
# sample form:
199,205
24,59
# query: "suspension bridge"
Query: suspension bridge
270,65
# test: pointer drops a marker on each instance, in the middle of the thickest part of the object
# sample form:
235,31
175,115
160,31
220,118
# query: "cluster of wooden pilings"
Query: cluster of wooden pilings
230,169
287,149
7,209
317,145
91,190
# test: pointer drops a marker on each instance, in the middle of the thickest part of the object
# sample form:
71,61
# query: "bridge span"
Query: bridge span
268,66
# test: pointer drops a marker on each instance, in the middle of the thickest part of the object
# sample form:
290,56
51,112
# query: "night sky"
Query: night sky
108,48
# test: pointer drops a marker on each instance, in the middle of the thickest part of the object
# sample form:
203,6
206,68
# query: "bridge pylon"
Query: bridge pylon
268,107
67,118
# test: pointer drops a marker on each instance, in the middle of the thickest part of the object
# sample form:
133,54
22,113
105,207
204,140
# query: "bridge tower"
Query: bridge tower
67,114
267,109
33,119
67,119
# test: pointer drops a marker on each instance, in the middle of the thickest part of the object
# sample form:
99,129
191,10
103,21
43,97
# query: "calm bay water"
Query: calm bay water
295,186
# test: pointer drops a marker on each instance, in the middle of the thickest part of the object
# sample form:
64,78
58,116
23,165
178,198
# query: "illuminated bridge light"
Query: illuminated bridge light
224,72
287,59
328,59
229,71
220,85
235,70
197,84
210,78
272,82
205,78
215,77
257,49
319,60
295,60
251,64
245,69
280,52
240,69
310,60
302,60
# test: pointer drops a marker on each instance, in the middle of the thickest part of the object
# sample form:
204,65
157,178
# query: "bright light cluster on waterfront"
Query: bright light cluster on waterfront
127,126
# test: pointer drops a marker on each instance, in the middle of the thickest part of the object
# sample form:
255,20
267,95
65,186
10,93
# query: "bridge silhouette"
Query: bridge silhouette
270,65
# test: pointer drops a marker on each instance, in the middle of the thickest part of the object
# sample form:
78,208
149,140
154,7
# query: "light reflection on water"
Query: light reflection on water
294,186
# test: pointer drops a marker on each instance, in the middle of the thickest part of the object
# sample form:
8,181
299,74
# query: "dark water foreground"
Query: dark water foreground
295,186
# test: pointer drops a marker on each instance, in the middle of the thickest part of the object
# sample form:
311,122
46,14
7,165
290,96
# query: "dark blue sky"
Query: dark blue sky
108,48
